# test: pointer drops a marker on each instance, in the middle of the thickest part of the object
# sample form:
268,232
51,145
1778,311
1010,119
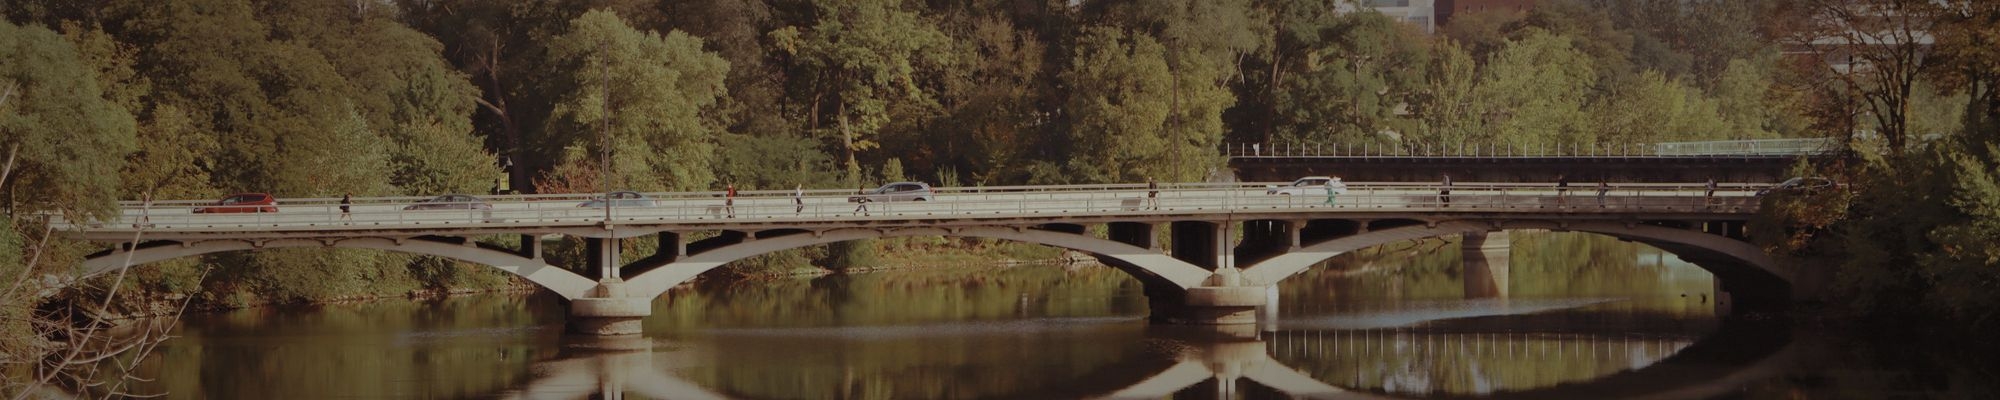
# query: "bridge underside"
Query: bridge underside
1195,271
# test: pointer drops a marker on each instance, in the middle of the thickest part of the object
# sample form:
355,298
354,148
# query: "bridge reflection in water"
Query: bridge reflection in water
1421,363
1240,362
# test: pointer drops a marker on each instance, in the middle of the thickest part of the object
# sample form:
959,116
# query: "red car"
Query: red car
242,203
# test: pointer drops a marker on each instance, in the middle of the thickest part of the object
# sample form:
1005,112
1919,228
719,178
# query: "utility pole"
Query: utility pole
604,134
609,259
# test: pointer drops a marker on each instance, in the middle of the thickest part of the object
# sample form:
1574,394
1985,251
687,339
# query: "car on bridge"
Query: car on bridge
242,203
1308,186
899,191
621,199
1798,184
451,202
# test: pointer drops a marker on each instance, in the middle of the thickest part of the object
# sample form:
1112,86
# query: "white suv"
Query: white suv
1308,186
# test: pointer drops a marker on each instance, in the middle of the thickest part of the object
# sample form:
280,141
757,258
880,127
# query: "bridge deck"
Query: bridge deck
545,214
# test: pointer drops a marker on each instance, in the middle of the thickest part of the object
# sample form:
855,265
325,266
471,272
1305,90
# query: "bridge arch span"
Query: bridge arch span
1152,267
1741,267
563,282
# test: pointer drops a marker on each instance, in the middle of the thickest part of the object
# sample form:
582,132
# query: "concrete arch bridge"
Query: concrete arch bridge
1206,253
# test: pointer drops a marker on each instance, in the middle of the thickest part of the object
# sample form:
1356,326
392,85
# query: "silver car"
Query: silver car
899,191
451,202
621,199
1308,186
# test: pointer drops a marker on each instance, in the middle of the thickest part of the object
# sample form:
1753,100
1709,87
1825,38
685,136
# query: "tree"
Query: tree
403,88
1748,102
775,162
172,158
993,122
734,30
651,93
1351,87
1655,108
1483,32
1121,96
63,139
1589,31
1886,48
502,46
861,56
1532,93
1201,42
261,99
1446,104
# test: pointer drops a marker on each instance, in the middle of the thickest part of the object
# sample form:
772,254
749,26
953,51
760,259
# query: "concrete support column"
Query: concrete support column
1138,234
531,247
602,255
607,310
1207,305
672,247
1203,244
1263,239
1224,299
1485,261
1293,235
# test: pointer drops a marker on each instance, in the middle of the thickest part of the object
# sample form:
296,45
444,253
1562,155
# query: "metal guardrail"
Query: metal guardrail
1757,147
1799,146
707,208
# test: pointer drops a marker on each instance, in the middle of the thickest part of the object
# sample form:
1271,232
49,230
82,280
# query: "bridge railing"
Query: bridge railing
1717,148
949,203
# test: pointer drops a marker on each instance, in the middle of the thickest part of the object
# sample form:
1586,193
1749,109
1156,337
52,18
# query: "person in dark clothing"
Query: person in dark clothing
729,200
1708,198
799,198
1562,190
346,200
1152,193
1602,188
1444,191
861,203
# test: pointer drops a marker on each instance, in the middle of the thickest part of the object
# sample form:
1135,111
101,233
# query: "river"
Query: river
1587,317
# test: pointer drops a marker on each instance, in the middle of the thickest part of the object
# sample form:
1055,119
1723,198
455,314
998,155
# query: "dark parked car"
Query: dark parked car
621,199
899,191
242,203
1796,184
451,202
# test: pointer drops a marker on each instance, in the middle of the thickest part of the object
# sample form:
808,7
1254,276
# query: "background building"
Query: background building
1446,8
1422,13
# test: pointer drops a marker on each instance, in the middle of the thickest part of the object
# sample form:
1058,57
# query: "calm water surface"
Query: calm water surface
1587,318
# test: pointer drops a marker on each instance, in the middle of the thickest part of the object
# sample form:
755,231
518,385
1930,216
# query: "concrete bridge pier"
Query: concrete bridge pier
608,309
1485,256
1223,299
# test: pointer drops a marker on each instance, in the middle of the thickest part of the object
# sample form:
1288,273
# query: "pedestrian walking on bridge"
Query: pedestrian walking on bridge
1152,193
346,200
1602,188
1332,190
1708,198
861,201
729,200
1562,190
799,198
1444,191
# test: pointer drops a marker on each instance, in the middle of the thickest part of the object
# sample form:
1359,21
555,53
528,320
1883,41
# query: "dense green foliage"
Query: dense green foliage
1913,236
